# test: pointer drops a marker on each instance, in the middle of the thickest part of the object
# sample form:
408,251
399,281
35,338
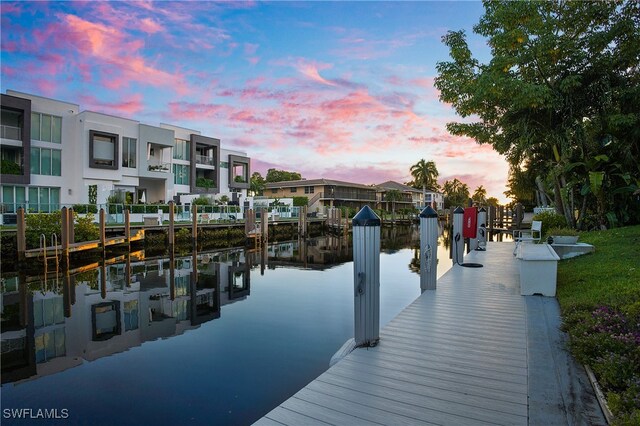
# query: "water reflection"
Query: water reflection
271,318
50,325
54,323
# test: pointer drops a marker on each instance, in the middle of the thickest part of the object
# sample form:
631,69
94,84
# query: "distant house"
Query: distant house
325,192
410,196
435,199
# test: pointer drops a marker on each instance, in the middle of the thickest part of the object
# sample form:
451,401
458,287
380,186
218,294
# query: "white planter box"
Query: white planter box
564,239
538,269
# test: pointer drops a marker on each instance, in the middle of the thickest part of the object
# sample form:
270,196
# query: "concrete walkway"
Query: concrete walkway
472,352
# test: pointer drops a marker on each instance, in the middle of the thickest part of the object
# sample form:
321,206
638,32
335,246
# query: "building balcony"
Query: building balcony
206,160
10,132
160,167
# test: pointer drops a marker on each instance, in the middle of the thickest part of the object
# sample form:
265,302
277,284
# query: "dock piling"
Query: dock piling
366,277
194,225
428,248
481,238
457,242
172,232
21,235
103,232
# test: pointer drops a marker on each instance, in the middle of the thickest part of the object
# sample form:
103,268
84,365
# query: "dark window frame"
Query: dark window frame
116,151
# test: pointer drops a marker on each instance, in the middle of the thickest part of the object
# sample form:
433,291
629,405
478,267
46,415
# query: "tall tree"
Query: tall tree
425,174
562,87
456,193
479,195
274,175
391,196
256,183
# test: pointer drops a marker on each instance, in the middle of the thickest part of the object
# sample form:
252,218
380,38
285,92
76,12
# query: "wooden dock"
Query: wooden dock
459,355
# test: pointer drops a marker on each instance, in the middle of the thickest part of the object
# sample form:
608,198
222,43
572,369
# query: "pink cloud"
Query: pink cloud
150,26
127,107
311,69
119,54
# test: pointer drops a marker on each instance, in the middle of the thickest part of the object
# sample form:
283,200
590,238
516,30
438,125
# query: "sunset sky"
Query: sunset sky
340,90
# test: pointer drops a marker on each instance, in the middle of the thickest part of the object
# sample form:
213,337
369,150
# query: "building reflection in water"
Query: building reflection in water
59,321
51,325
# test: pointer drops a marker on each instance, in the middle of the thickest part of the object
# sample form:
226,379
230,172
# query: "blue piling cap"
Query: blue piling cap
366,217
482,210
458,210
428,212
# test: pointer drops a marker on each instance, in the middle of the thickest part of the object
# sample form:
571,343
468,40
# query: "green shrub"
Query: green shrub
300,201
85,208
202,201
550,220
155,239
183,236
138,208
204,183
93,194
38,224
85,229
10,168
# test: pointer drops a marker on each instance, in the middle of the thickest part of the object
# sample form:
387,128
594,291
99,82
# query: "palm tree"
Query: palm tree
392,196
480,195
425,173
456,193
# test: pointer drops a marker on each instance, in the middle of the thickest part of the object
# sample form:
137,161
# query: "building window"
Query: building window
13,197
45,127
50,344
129,152
182,150
45,161
48,312
294,189
181,174
309,189
103,150
43,199
130,315
105,319
274,191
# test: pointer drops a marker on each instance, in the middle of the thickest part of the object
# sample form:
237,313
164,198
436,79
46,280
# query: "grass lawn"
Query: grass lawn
599,295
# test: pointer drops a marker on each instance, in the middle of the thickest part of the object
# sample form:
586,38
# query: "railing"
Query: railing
203,159
315,198
159,167
352,195
11,132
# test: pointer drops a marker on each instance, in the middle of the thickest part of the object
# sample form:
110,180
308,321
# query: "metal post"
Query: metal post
366,277
481,238
428,248
458,242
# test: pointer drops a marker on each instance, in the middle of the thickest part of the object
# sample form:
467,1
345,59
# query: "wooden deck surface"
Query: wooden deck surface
455,356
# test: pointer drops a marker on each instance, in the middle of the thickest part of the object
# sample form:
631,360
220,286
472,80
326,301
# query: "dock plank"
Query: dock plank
456,355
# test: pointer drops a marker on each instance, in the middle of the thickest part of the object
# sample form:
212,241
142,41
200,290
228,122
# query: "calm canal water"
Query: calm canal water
219,338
